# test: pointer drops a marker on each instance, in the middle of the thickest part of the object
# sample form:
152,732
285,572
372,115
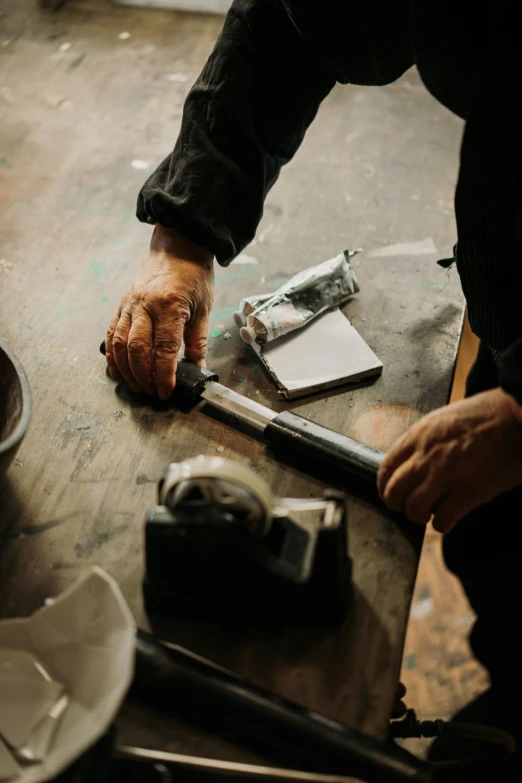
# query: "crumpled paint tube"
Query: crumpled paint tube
305,296
248,305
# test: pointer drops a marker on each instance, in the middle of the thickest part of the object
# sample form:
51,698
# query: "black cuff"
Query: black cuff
510,370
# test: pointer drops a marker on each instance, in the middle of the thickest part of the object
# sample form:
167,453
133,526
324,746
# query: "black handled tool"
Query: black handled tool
286,430
184,685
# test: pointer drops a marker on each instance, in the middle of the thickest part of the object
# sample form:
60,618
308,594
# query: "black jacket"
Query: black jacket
273,64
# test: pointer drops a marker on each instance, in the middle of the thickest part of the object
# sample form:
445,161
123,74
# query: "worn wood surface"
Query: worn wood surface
377,168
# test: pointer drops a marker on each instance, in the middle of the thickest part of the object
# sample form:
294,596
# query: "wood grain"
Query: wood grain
377,168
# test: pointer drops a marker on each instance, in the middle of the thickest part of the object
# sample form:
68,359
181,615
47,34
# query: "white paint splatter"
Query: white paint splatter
227,336
421,609
58,102
140,165
6,266
263,235
221,449
422,247
124,35
177,77
64,47
246,259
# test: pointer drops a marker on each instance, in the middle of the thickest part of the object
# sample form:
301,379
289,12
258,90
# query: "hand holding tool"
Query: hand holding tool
286,430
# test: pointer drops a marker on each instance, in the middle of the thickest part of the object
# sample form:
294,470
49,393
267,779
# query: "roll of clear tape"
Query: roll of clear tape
215,481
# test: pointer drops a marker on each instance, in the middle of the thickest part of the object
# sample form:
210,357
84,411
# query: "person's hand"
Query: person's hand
168,300
455,459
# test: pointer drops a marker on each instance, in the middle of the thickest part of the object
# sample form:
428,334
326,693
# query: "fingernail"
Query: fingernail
163,393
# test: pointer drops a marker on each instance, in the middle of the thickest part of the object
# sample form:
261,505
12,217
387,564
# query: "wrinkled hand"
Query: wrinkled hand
168,300
454,460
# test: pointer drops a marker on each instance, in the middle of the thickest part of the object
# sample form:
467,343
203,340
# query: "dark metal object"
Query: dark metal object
188,687
15,406
191,382
206,565
287,431
293,432
199,769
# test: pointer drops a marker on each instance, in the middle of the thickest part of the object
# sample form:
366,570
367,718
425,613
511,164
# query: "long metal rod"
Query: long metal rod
259,416
252,770
297,434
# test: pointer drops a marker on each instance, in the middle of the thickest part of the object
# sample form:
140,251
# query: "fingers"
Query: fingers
168,336
139,351
398,454
450,511
109,348
120,342
403,481
422,502
196,336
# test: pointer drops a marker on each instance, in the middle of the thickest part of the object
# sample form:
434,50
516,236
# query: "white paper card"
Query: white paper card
328,352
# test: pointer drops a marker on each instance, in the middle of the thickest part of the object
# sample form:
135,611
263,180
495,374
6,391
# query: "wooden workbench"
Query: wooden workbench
84,111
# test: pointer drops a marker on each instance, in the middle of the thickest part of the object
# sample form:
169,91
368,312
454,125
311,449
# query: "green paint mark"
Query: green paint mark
215,333
410,661
104,298
225,312
430,286
66,310
99,271
98,274
232,275
119,214
256,372
117,241
3,161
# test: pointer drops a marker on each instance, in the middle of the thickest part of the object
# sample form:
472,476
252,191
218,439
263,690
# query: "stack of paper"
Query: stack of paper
328,352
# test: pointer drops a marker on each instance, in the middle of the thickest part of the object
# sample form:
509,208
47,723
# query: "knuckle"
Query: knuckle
199,344
165,348
139,349
119,342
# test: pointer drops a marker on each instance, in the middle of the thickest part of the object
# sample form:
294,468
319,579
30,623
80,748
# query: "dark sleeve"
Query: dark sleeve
244,118
510,370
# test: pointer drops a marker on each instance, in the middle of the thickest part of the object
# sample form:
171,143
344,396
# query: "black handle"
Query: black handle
191,381
186,686
317,443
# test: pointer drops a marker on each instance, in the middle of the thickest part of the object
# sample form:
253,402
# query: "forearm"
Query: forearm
171,242
244,118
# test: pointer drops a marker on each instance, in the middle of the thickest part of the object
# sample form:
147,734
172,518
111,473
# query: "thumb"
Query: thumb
195,337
